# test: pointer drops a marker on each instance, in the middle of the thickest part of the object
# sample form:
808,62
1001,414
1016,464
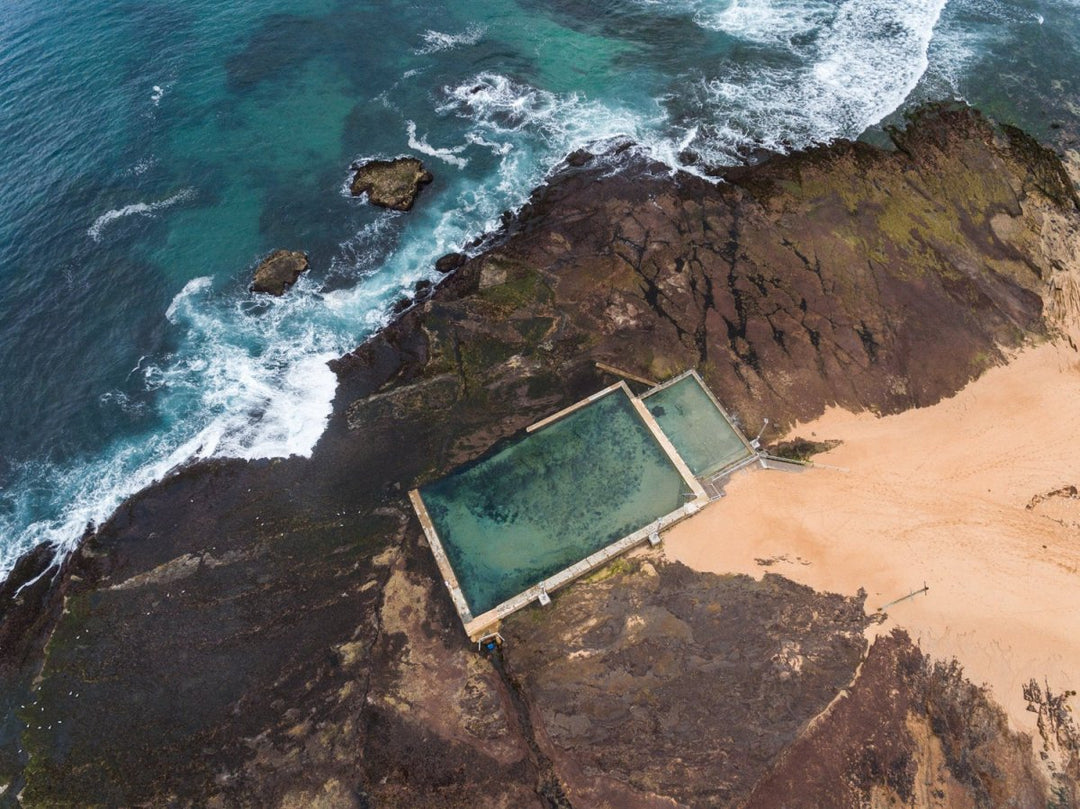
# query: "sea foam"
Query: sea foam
137,208
436,41
856,67
241,383
446,155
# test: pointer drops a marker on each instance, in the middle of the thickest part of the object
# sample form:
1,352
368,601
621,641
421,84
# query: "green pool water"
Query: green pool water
531,509
700,432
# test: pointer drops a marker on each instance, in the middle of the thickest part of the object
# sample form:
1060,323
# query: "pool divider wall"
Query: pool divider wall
668,447
588,400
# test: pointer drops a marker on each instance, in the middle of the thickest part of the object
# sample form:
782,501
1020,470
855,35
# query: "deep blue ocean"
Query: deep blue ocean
152,152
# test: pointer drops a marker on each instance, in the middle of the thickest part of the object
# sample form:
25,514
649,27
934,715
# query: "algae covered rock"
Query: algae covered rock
390,184
279,271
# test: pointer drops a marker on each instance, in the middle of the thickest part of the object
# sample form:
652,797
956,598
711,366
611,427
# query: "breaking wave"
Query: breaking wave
436,41
851,65
136,208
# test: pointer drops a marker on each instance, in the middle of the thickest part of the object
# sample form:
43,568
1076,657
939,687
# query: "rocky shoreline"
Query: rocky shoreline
274,633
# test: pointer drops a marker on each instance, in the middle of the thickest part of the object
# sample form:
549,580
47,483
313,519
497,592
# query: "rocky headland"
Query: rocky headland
275,633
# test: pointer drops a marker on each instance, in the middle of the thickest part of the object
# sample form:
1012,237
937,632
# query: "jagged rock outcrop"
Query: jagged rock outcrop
279,271
275,634
390,184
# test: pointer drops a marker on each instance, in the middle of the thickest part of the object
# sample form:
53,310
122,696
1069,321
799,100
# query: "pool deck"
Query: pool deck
477,626
441,559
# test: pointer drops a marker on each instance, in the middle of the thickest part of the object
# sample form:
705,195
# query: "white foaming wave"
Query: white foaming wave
768,21
446,155
875,54
157,94
500,106
436,41
532,130
262,377
183,297
865,64
140,208
245,382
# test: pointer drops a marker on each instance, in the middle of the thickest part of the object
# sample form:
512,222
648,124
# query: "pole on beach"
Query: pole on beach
912,594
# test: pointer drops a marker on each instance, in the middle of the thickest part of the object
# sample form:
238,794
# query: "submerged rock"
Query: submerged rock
390,184
279,271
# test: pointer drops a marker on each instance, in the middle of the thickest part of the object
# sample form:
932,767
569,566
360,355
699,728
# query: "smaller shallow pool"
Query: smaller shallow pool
699,429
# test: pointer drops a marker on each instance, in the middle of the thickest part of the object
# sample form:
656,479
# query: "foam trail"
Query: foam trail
447,155
141,208
436,41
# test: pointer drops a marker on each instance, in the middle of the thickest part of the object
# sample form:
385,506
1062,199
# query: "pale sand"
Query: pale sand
935,495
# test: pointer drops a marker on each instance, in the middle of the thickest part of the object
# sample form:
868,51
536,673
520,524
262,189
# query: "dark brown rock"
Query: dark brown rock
279,271
450,262
909,732
663,685
579,158
390,183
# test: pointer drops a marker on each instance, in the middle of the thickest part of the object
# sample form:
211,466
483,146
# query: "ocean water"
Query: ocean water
152,152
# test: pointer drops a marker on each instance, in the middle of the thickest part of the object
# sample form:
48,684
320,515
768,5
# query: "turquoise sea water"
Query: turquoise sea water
551,499
151,152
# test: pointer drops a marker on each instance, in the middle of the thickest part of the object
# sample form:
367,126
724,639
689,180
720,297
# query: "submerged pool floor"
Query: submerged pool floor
549,500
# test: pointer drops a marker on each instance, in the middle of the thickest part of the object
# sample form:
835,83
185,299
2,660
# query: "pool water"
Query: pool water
544,503
694,423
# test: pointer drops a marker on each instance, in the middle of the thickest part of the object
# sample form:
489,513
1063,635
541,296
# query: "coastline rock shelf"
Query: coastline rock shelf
390,184
274,633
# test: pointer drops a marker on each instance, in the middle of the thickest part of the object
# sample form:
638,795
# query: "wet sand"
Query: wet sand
939,496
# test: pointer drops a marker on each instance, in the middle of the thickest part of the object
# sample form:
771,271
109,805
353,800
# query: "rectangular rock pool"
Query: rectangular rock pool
551,499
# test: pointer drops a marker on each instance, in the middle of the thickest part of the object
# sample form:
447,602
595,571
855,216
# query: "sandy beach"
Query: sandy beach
956,496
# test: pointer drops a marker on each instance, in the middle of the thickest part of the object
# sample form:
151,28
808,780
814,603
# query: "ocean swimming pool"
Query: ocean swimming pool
527,511
581,487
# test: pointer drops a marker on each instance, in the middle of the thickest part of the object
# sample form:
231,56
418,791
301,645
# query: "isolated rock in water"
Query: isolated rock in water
279,271
391,183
